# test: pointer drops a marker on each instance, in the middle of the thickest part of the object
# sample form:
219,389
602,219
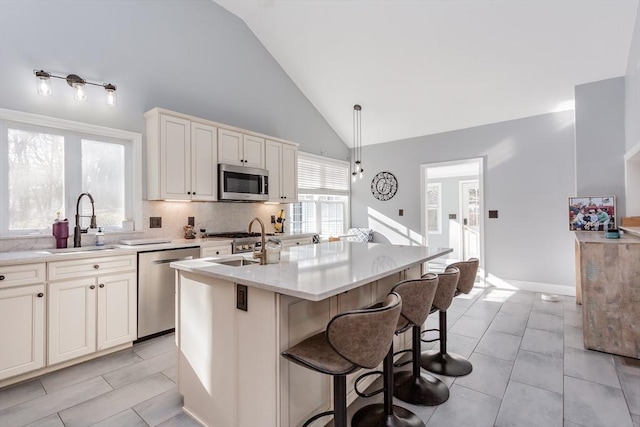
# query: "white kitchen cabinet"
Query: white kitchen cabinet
281,161
94,308
181,158
235,148
215,249
296,241
22,338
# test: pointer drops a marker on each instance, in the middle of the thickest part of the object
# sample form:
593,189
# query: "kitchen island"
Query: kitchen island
233,323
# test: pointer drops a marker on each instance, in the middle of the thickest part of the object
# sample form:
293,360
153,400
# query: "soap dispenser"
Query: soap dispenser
99,237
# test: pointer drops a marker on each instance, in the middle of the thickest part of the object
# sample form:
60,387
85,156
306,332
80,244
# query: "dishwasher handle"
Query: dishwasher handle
167,261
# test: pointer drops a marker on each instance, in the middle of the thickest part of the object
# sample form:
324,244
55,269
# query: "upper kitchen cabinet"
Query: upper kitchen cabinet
181,158
282,163
235,148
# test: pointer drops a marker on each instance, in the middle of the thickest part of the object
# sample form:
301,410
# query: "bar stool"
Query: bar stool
412,386
442,362
353,340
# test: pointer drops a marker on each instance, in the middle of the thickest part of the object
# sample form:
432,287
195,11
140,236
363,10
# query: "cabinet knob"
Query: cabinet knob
92,287
40,295
194,192
96,266
1,277
101,285
188,192
217,252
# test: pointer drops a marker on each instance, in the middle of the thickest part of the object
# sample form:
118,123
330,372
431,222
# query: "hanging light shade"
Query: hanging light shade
43,81
358,170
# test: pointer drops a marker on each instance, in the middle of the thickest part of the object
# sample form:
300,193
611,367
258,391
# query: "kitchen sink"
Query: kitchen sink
237,262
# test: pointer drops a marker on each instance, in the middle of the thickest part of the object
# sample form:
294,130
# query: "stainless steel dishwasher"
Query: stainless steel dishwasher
156,289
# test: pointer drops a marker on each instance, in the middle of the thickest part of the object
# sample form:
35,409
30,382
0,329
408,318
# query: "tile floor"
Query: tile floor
529,369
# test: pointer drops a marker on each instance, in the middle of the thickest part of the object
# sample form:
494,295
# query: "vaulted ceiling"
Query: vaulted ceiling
421,67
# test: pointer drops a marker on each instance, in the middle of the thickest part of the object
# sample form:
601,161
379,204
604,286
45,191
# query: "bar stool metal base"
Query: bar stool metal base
422,390
375,415
449,364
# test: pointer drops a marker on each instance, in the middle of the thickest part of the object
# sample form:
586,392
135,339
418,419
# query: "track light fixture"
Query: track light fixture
43,80
358,171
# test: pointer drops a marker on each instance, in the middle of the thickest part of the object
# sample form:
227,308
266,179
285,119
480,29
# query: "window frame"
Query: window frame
34,122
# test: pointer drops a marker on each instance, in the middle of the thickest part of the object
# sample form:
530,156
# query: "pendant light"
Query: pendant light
358,170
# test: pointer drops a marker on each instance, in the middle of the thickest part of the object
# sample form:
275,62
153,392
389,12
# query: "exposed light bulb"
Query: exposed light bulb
353,176
111,94
43,83
357,165
79,95
361,173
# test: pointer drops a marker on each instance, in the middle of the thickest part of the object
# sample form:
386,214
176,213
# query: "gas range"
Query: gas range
242,241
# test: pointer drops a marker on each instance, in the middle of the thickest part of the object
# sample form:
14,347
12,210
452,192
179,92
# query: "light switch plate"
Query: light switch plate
155,222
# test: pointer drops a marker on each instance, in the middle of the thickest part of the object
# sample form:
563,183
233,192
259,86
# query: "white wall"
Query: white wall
529,175
632,90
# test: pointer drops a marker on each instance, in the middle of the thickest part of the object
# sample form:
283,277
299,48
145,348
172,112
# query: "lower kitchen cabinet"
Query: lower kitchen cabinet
215,250
22,338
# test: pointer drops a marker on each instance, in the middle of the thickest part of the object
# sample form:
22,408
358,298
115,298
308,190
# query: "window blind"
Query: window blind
320,175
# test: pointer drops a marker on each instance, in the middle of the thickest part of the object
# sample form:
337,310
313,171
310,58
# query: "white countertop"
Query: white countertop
316,272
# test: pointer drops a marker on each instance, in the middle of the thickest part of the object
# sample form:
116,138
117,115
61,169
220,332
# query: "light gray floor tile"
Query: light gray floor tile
471,326
594,405
636,420
500,345
116,401
127,418
546,322
170,373
181,420
460,344
466,407
631,388
523,297
591,366
153,347
627,365
509,324
483,310
569,304
543,342
539,370
78,373
21,392
515,309
573,337
549,307
453,314
490,375
568,423
527,406
52,420
51,403
143,369
160,408
573,318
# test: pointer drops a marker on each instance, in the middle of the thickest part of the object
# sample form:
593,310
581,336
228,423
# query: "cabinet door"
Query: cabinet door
175,158
117,310
230,147
72,319
21,330
204,162
214,251
289,173
273,158
253,152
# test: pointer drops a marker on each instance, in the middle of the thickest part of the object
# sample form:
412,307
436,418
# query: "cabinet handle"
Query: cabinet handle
1,277
188,192
217,252
96,266
194,192
40,295
92,287
101,285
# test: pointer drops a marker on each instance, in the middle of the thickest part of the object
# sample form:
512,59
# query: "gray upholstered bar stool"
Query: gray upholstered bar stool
353,340
413,386
442,362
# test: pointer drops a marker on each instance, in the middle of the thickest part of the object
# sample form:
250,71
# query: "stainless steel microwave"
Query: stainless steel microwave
242,184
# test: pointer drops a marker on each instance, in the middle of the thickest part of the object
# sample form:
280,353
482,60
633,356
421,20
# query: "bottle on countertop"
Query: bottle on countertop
99,237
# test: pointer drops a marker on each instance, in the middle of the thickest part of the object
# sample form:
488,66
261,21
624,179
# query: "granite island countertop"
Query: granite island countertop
316,272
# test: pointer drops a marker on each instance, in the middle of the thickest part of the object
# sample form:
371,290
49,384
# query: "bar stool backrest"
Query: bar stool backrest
447,284
364,337
417,297
468,270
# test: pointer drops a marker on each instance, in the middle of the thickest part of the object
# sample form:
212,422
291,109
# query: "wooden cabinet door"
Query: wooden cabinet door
21,330
230,147
273,160
253,152
72,319
204,162
175,158
289,173
117,310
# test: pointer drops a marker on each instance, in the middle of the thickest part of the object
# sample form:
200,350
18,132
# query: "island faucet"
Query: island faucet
263,253
77,230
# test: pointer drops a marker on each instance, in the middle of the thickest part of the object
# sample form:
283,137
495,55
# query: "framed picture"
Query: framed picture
592,213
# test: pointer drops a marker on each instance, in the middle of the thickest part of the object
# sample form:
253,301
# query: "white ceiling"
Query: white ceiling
421,67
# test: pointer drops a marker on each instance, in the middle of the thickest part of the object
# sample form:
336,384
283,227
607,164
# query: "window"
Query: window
323,196
434,208
48,163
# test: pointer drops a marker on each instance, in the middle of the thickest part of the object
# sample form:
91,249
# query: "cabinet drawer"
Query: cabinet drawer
23,274
207,251
91,266
287,243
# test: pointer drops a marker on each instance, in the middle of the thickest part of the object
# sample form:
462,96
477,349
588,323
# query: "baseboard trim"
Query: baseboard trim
547,288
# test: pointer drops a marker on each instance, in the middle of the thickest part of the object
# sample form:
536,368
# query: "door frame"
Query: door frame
480,161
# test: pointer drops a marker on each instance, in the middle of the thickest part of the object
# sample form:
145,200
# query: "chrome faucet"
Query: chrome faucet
77,230
263,253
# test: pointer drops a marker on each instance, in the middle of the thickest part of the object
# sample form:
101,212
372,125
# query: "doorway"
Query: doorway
452,208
